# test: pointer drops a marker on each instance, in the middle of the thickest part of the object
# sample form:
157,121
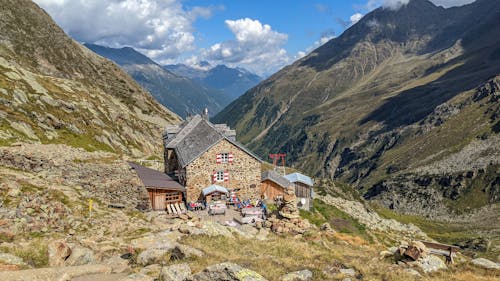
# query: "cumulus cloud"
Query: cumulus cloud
325,37
256,46
355,18
162,29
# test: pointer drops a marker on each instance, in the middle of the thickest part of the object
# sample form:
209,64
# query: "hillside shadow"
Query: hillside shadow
415,104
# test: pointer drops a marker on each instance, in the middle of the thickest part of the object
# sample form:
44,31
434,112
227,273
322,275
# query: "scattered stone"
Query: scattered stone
430,263
347,271
485,263
59,251
184,229
326,227
228,272
176,272
117,264
80,256
154,255
9,259
54,273
303,275
151,270
416,250
182,251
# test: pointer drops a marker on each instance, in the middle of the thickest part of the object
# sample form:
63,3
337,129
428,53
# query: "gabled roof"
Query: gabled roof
276,178
213,188
156,179
196,137
298,177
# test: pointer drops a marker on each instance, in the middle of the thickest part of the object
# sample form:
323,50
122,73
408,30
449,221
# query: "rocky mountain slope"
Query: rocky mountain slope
54,90
403,105
178,93
234,82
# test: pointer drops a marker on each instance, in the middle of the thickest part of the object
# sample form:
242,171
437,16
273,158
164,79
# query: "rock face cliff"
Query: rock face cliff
54,90
403,105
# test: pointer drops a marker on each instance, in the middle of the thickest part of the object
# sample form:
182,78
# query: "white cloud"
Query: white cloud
325,37
256,46
355,18
162,29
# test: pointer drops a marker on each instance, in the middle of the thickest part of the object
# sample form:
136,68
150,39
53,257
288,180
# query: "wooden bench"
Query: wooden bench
442,249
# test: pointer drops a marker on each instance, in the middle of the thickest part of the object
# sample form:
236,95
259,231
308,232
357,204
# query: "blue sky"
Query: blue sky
259,35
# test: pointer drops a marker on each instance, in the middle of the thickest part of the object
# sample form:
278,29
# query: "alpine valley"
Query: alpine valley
391,135
403,105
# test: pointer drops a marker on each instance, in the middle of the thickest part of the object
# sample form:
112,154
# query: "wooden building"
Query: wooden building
162,189
199,154
273,185
303,186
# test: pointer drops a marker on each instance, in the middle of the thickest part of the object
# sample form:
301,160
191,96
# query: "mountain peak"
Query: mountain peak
122,56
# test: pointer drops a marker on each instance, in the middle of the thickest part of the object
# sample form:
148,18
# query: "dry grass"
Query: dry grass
322,254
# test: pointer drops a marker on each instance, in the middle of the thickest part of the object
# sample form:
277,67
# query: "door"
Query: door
159,201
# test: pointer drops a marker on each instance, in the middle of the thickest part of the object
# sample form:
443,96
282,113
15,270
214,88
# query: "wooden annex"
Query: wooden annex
273,185
162,189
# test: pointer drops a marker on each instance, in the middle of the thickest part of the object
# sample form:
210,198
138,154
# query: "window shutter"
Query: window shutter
214,177
219,158
226,175
230,157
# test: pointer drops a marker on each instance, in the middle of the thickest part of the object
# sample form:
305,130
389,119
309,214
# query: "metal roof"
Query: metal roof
213,188
298,177
276,178
156,179
196,137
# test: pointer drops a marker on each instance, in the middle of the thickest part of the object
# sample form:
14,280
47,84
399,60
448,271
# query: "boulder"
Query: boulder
228,272
182,251
80,256
430,263
59,251
485,263
154,255
303,275
117,264
176,272
9,259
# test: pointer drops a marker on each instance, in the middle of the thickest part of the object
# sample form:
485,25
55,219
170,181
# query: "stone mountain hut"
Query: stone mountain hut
199,154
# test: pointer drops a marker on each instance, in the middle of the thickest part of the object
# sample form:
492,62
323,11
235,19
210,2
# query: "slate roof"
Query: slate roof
298,177
214,188
196,137
276,178
156,179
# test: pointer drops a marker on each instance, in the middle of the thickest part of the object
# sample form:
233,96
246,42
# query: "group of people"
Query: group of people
196,206
233,200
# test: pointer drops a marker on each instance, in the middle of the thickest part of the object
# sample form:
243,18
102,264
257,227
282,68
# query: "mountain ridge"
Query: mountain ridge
232,81
54,90
345,108
180,94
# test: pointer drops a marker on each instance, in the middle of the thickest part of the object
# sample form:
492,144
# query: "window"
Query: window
219,176
224,157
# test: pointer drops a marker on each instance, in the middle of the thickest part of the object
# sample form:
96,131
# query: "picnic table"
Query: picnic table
217,209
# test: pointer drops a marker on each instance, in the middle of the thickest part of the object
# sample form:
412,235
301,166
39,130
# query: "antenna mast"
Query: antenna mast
276,157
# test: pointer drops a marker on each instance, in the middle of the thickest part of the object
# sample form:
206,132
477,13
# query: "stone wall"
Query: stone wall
244,172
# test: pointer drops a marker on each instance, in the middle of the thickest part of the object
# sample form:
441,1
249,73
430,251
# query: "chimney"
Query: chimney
205,114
